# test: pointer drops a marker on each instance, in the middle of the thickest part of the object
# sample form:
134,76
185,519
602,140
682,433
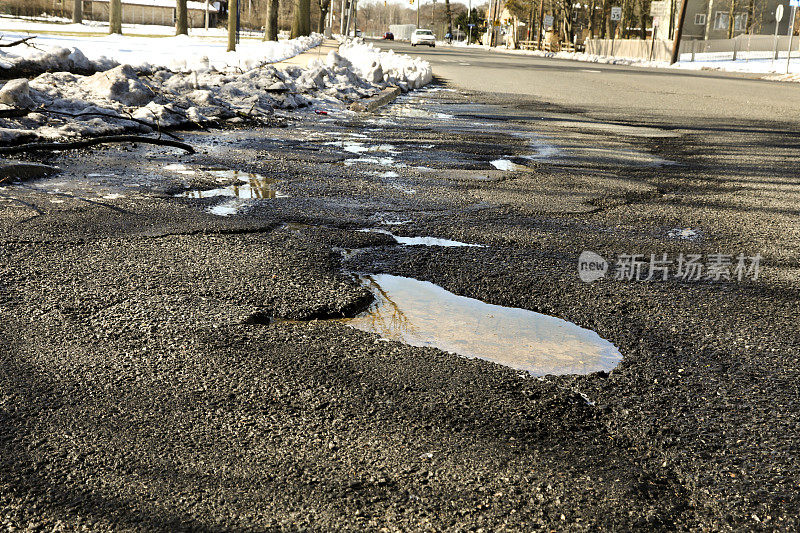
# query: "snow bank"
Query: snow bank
67,104
745,64
179,53
387,67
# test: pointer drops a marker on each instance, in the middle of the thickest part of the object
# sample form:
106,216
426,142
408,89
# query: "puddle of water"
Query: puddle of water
422,241
420,313
383,161
226,209
356,147
388,174
505,164
248,186
404,110
180,168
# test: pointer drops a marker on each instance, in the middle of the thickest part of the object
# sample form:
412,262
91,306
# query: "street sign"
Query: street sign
548,21
471,25
794,3
616,12
779,13
658,9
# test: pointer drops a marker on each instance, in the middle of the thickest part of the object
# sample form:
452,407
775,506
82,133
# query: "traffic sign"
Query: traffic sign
794,3
548,21
658,9
471,25
779,13
616,12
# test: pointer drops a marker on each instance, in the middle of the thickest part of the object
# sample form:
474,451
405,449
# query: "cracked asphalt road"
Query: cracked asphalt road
143,388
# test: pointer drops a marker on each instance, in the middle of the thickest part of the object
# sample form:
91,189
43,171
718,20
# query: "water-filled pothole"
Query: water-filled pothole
420,313
246,186
422,241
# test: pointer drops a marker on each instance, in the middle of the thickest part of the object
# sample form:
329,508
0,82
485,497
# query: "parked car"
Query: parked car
389,36
355,33
423,37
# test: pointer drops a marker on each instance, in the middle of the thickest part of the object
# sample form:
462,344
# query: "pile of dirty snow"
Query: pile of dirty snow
123,99
387,67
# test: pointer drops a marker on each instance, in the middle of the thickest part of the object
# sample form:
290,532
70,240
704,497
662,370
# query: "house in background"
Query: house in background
709,19
161,12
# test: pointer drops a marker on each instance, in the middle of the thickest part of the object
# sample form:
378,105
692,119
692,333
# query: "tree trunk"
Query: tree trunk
324,7
301,22
77,11
449,17
643,14
271,24
750,9
709,22
115,16
730,20
233,10
182,18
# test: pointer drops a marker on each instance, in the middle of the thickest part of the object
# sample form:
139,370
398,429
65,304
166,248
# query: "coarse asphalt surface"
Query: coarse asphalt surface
165,369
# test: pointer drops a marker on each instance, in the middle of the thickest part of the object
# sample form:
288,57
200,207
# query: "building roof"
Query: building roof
166,3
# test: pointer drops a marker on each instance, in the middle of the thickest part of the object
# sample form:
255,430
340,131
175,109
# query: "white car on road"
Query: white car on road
423,37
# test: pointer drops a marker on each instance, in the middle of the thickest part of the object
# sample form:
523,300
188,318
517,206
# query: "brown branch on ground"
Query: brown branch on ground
84,143
15,43
14,112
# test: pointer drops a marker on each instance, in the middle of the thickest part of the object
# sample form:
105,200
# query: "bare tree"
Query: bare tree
182,18
449,15
77,11
324,6
301,22
271,24
233,23
115,16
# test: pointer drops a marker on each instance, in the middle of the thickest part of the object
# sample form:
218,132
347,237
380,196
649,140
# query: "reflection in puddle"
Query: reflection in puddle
248,186
179,168
423,241
420,313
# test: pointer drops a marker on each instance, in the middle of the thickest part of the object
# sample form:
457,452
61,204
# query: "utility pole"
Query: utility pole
791,37
341,21
418,3
207,15
676,44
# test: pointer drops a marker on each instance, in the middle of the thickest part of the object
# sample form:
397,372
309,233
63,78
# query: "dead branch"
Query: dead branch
14,112
15,43
84,143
